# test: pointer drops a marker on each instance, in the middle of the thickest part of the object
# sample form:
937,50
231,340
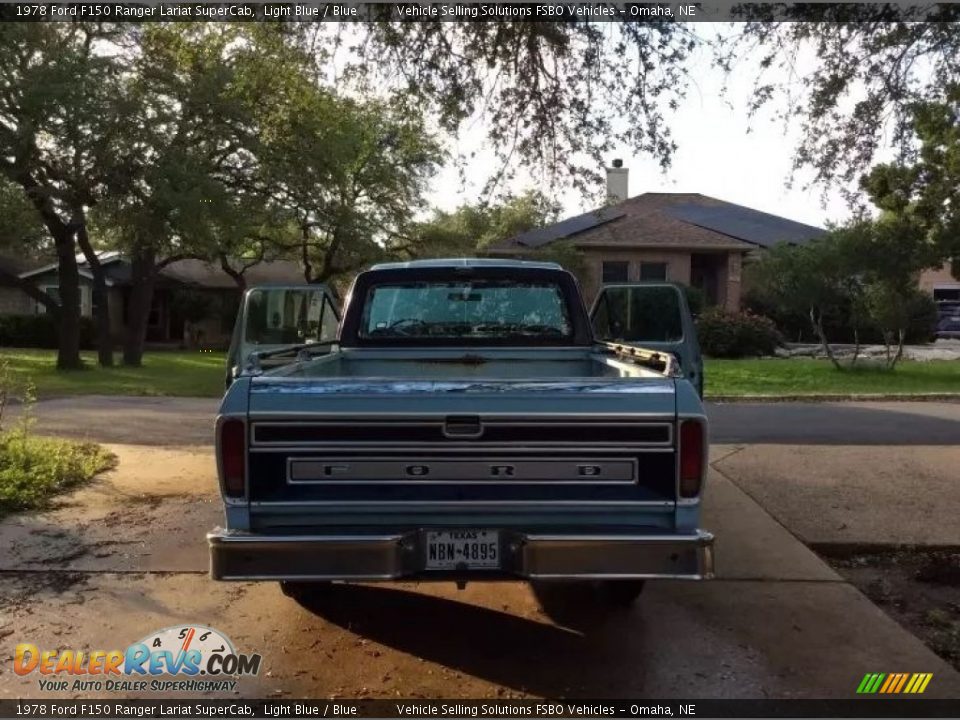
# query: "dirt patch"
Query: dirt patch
917,587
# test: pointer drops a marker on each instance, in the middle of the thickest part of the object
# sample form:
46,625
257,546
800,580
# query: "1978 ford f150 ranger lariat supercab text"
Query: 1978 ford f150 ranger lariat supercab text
466,420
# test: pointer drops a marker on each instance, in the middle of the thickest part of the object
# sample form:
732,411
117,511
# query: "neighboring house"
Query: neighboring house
679,237
941,283
179,285
12,300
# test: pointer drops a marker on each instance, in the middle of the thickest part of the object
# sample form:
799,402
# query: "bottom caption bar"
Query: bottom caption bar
854,708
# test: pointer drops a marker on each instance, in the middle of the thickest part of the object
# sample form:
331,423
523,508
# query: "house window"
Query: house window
653,271
615,271
54,292
86,299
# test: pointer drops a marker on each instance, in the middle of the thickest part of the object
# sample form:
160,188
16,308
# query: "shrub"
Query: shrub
696,299
34,468
726,334
839,323
921,326
40,331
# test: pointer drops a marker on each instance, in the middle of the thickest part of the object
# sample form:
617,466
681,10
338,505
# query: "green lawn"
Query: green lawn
772,376
187,373
201,374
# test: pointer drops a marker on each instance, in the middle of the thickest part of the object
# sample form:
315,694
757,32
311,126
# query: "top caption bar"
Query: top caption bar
713,11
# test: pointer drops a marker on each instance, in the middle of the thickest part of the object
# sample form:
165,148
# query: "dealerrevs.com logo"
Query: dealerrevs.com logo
189,658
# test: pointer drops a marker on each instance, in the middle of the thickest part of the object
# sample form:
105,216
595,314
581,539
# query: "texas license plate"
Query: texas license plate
453,549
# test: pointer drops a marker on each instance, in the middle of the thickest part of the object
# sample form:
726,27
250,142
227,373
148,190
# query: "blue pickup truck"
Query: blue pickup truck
464,420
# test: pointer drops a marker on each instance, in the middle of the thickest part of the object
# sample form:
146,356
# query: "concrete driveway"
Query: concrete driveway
189,421
125,556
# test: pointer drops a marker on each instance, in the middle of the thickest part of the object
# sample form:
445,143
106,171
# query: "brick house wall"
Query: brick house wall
591,278
939,278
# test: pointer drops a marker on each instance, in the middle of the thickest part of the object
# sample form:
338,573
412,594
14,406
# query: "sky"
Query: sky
720,152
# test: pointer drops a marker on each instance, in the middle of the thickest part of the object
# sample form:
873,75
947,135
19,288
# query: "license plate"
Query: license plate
452,549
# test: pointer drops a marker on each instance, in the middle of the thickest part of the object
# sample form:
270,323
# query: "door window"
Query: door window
639,314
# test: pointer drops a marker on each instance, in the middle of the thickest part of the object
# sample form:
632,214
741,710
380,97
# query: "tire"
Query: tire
585,604
620,593
302,591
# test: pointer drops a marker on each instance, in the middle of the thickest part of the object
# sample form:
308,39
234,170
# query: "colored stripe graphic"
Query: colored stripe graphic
870,683
903,681
894,683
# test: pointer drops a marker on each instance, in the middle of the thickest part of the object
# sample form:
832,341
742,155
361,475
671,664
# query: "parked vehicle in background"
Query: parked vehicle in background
467,423
948,322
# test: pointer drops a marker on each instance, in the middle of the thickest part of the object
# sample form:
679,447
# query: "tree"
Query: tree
864,67
864,272
190,125
62,115
243,156
812,280
559,96
927,190
884,257
22,235
349,176
472,228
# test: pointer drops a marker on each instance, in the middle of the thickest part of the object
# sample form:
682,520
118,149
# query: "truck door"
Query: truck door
652,315
272,317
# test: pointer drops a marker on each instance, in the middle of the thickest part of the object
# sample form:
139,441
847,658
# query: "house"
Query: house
685,238
193,301
942,282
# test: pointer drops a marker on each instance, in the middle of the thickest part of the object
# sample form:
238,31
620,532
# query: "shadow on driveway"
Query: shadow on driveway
528,654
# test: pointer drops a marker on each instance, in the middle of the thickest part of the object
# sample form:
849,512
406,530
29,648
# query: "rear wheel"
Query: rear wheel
579,602
620,593
300,590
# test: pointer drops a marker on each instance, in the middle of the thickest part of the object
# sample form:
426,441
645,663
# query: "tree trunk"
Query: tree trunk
33,292
305,253
101,305
68,349
817,322
143,277
856,347
237,276
901,334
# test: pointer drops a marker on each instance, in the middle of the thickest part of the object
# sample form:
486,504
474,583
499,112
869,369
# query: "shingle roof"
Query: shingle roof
211,275
196,273
566,228
678,220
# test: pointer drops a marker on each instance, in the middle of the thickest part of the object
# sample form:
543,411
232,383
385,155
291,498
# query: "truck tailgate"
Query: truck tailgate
369,444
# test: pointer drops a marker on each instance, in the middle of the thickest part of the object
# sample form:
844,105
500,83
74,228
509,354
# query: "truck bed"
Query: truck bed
485,363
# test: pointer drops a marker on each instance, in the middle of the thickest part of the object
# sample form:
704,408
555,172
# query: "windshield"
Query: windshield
465,309
286,316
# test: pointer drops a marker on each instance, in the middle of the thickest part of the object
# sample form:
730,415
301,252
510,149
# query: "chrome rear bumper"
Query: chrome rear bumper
245,556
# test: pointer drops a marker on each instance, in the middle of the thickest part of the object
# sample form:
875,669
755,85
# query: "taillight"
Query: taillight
232,456
692,445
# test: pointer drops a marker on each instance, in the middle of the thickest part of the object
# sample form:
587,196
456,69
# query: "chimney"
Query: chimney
617,182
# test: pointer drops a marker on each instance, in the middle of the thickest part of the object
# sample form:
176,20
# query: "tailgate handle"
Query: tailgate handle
463,426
